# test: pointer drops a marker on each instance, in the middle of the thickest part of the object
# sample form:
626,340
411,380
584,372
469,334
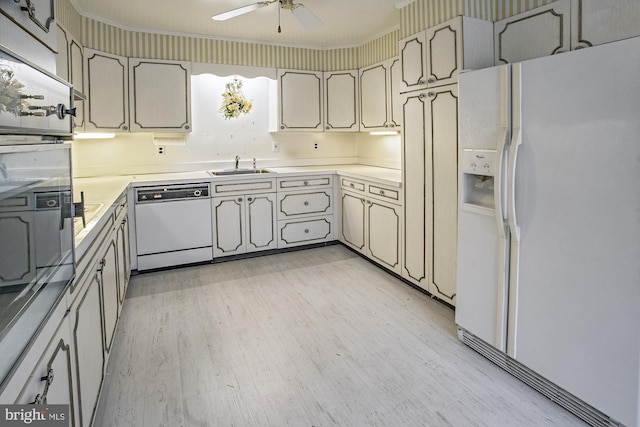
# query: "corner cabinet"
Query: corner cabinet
160,95
138,95
536,33
300,101
379,90
107,91
371,221
341,110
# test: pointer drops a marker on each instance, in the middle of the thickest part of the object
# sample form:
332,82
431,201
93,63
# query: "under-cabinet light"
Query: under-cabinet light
94,135
384,132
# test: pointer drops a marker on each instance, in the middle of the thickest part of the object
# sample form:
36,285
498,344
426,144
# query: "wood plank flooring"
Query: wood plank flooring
318,337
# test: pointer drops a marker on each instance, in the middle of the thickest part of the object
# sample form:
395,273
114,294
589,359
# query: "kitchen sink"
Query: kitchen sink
238,172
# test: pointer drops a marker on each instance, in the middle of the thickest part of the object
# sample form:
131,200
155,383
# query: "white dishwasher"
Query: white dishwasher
173,225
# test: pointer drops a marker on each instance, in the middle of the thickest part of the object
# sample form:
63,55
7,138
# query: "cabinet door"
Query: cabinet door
373,98
595,22
88,350
261,224
413,52
539,32
442,194
124,262
107,80
353,221
228,225
51,381
300,103
341,101
109,287
444,53
36,17
62,57
165,110
415,146
17,267
394,107
383,234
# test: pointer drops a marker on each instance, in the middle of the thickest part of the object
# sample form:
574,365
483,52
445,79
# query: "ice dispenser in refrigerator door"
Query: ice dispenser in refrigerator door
478,178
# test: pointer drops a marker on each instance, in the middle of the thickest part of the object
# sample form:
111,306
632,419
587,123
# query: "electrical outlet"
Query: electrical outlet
161,150
315,145
275,147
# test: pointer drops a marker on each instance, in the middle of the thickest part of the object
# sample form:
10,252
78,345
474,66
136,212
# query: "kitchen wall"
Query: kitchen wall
214,143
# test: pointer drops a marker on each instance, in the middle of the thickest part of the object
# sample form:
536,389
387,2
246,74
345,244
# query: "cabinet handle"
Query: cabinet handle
306,230
39,400
186,126
249,199
431,94
421,81
382,192
306,203
352,185
431,80
48,378
306,183
125,127
239,199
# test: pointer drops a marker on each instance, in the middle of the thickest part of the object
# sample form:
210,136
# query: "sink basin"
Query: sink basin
238,172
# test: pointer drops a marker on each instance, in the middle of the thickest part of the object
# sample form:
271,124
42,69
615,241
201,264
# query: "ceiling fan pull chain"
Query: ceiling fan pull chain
279,9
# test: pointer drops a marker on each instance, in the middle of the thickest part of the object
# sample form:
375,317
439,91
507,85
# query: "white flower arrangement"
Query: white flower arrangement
233,101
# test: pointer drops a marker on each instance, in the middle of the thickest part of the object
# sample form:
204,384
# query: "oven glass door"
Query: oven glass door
36,242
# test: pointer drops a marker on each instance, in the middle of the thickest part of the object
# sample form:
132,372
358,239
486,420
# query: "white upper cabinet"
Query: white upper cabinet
136,94
595,22
341,101
299,100
70,67
36,17
379,91
160,95
539,32
107,90
413,65
459,44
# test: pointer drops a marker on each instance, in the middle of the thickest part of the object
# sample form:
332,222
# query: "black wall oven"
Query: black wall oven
37,260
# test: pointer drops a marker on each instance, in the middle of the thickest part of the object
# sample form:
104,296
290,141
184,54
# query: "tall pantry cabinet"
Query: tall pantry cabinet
430,146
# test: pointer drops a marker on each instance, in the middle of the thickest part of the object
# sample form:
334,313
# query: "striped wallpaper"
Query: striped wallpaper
422,14
414,17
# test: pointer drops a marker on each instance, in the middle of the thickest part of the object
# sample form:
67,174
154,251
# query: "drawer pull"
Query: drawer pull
239,199
382,192
249,199
352,185
306,230
306,183
306,203
49,377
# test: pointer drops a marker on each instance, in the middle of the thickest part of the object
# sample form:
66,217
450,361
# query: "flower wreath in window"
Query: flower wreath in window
234,102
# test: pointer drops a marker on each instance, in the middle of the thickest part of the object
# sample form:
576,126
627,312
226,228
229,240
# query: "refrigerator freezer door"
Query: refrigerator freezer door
482,235
577,204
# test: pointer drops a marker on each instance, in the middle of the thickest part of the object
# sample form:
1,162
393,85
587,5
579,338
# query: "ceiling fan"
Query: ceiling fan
299,11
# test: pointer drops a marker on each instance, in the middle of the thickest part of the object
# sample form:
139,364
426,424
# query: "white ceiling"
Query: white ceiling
346,22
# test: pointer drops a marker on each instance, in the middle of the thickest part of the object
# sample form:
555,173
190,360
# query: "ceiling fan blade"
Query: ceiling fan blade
240,11
306,17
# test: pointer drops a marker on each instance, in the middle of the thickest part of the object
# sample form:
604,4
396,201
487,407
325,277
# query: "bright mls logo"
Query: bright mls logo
32,415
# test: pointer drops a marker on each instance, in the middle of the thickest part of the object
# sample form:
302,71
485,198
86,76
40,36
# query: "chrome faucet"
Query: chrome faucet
237,160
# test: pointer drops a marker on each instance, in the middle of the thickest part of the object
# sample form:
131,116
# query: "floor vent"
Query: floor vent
558,395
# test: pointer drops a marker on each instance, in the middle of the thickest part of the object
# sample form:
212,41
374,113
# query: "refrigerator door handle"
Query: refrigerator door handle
511,184
498,188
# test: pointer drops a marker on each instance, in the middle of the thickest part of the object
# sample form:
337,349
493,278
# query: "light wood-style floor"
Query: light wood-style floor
318,337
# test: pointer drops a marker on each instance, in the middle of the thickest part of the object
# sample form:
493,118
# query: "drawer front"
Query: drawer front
295,233
311,203
351,184
300,183
244,187
385,193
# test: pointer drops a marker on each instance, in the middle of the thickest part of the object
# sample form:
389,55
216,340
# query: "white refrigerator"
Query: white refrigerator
548,280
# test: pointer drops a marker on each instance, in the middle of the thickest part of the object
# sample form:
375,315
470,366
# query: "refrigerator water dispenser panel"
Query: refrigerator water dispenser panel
478,169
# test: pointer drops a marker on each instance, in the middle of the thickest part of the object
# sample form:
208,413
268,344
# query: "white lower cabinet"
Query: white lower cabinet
243,222
371,221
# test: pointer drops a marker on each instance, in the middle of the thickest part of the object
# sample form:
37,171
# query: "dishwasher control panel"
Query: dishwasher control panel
171,192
